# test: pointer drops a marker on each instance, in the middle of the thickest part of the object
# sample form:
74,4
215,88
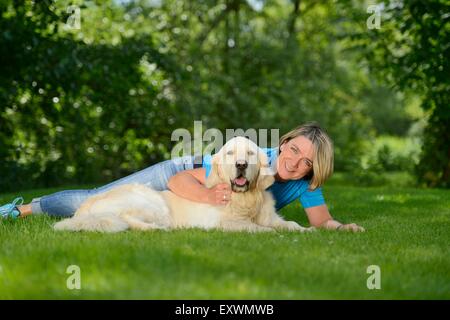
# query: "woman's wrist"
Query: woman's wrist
208,196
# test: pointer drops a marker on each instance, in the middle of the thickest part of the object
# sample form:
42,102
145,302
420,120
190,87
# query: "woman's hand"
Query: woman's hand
336,225
351,227
219,194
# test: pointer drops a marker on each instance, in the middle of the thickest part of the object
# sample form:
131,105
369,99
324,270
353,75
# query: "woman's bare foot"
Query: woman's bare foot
25,210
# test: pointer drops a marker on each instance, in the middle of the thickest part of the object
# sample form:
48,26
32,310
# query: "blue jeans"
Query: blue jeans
65,203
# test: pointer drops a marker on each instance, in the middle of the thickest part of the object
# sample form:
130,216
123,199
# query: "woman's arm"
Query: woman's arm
320,217
190,184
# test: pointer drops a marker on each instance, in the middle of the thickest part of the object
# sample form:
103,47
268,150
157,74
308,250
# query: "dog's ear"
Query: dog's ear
266,175
215,176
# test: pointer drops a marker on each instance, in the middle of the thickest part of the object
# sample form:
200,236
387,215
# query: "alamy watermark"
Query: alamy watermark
74,20
374,20
193,146
74,11
374,280
73,282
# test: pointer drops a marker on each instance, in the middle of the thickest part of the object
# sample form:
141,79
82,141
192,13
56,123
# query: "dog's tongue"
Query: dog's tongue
240,181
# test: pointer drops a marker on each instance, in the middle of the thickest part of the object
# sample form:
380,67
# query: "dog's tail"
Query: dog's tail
92,222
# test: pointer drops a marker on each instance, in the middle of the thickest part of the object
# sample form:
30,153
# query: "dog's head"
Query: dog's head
242,164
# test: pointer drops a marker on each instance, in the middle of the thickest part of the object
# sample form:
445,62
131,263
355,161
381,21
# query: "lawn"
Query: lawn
408,237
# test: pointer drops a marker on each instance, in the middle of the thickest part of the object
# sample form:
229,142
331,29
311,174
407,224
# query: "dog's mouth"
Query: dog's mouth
240,183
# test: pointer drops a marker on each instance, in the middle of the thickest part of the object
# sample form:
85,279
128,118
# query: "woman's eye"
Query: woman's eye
295,150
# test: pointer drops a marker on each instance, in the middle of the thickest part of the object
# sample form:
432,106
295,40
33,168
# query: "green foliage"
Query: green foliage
384,158
74,110
391,118
394,154
95,104
411,51
368,178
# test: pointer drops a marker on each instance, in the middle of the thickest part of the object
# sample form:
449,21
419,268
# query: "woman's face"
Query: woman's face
295,159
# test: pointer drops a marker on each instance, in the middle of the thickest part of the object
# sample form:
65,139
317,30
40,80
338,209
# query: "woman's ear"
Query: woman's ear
265,176
214,177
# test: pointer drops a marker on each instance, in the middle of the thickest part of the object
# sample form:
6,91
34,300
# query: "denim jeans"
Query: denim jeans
65,203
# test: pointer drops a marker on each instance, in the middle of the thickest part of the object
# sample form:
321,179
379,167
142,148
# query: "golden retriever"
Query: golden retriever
240,163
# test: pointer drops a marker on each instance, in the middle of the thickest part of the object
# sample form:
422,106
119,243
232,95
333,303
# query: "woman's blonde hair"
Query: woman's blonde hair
323,161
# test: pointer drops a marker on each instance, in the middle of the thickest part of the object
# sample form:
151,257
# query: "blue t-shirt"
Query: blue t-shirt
284,192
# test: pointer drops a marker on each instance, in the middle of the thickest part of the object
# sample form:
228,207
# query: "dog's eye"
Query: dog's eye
250,153
230,153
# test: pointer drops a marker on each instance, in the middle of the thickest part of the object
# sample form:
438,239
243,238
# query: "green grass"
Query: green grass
408,236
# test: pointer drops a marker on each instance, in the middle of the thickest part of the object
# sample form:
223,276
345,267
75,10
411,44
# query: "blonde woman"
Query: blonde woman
303,162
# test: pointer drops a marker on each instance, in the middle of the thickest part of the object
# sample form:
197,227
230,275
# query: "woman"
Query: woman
304,161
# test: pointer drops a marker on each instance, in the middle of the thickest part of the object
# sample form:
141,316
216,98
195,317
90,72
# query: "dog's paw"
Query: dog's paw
309,229
292,226
265,229
152,227
257,229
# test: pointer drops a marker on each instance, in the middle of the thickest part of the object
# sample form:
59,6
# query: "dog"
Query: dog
240,163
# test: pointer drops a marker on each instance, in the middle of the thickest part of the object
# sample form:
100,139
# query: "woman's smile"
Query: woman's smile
289,169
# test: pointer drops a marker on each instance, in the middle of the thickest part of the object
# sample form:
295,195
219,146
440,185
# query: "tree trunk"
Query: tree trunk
294,15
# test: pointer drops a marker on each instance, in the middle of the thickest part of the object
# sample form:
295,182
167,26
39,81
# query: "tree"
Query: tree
411,51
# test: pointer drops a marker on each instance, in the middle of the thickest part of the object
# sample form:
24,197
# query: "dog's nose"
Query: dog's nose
241,164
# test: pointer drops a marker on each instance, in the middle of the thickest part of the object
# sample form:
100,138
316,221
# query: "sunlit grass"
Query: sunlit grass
407,236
